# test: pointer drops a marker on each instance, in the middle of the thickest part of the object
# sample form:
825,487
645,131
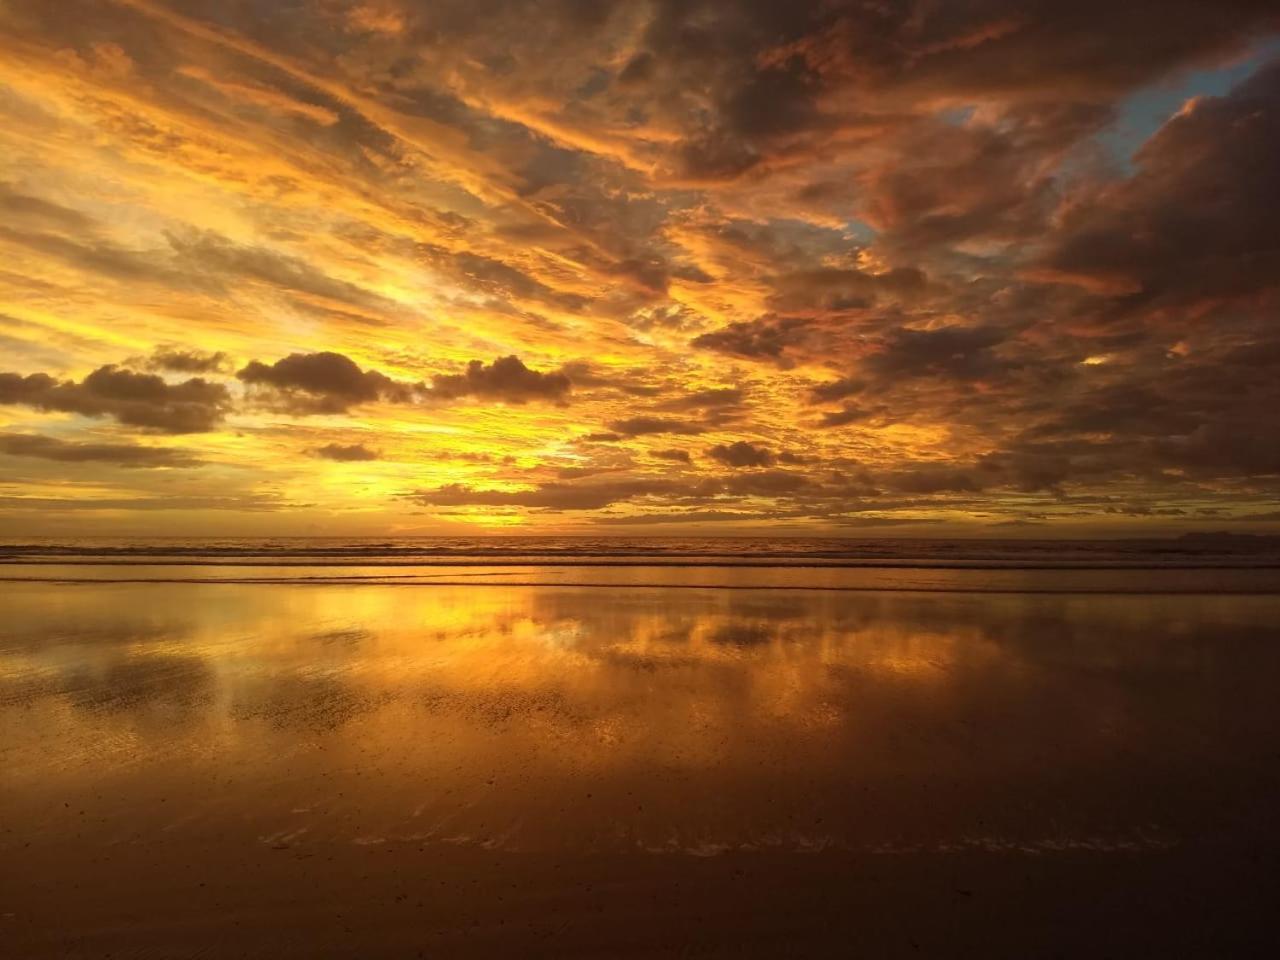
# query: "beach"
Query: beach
597,480
329,768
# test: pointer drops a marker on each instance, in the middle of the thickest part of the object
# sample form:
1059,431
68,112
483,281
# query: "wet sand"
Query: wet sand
208,770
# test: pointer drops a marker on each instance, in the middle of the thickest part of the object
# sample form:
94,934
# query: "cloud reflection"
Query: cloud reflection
537,718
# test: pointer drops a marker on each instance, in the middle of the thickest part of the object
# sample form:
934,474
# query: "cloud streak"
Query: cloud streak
119,454
550,266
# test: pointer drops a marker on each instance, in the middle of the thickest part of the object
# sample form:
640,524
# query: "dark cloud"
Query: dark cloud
650,274
15,388
837,389
713,156
1145,510
173,360
717,397
830,289
945,183
207,252
764,339
550,496
346,453
672,516
639,70
766,483
506,379
641,426
1195,225
323,383
740,453
1225,448
583,374
1089,50
99,256
1030,467
1163,419
16,205
779,79
956,353
67,451
137,399
199,260
497,279
249,503
577,473
934,479
677,456
925,200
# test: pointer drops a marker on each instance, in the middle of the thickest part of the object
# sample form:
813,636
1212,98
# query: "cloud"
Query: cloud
262,97
766,483
323,383
583,374
775,75
67,451
849,413
86,251
643,426
506,379
767,338
916,254
203,251
1194,224
957,353
1225,448
935,479
17,205
834,289
348,453
173,360
676,456
837,389
137,399
249,503
549,496
714,398
740,453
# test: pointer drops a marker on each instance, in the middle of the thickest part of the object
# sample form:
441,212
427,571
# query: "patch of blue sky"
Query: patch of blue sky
1144,112
860,231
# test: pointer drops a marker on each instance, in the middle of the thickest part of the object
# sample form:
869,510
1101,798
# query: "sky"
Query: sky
379,267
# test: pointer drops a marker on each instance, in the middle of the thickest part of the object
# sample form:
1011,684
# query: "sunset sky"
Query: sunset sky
716,266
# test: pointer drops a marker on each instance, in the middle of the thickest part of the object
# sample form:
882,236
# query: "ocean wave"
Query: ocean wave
1193,551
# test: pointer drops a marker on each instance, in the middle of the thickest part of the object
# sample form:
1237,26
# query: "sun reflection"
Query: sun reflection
489,706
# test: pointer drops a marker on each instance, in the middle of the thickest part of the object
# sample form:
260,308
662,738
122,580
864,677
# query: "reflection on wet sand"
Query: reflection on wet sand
563,722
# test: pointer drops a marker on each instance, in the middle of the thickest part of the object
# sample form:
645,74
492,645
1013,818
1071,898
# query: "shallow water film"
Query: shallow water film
234,769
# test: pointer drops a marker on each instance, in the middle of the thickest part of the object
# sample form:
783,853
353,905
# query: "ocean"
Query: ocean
1195,562
511,746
